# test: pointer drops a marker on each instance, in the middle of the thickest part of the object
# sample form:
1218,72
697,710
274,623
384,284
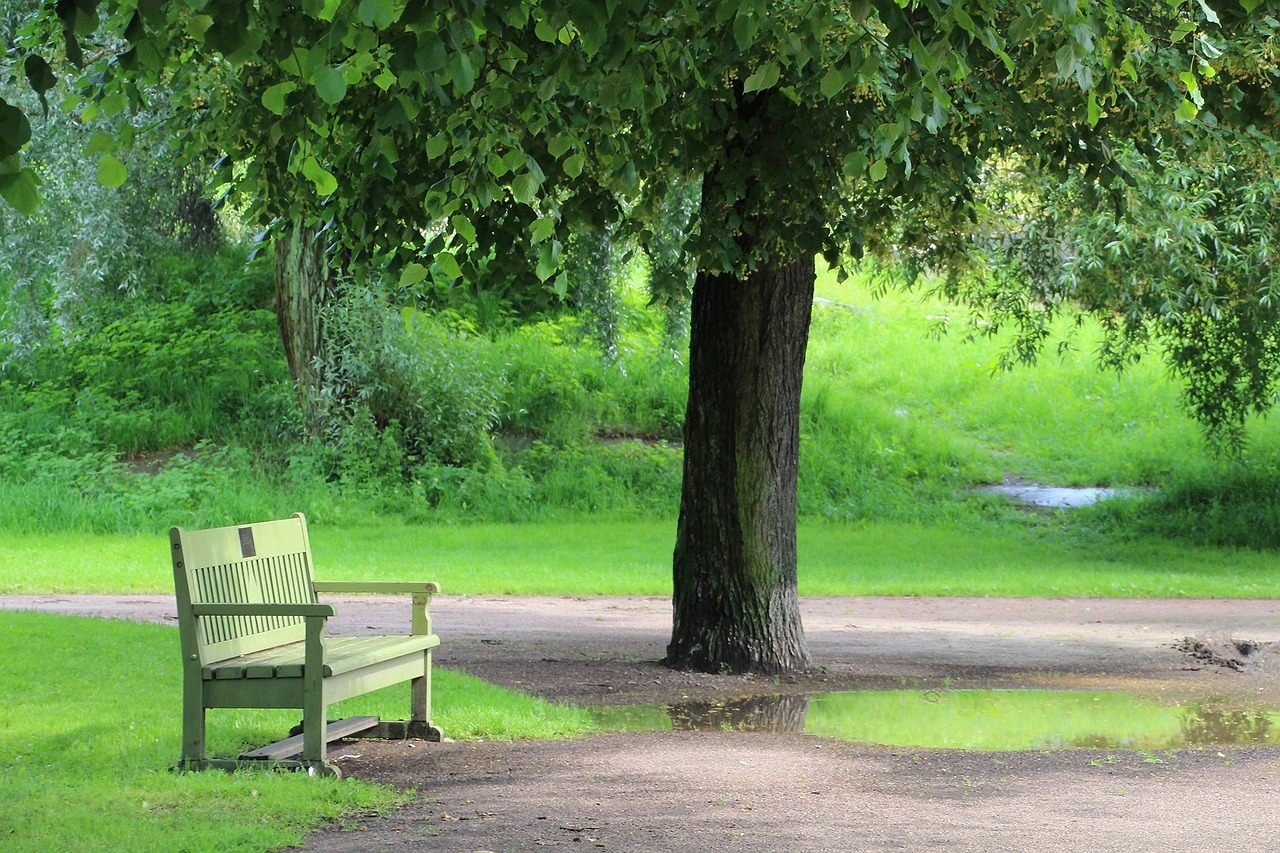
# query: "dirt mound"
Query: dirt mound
1230,653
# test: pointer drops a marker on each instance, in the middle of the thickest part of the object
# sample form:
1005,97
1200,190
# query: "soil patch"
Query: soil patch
679,791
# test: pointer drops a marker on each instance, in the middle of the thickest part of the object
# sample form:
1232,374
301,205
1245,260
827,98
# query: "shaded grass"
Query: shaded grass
90,722
1046,556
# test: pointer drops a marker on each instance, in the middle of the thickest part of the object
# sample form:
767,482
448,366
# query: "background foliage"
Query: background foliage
175,408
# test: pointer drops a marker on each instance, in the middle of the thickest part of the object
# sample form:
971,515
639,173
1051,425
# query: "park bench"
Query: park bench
253,636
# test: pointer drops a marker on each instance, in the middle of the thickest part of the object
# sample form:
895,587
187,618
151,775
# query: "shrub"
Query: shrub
404,379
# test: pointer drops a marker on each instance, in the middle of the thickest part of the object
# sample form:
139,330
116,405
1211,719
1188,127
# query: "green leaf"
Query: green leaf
463,226
463,72
1187,111
273,98
833,82
879,169
497,166
412,274
1062,9
1181,31
21,190
437,145
379,14
855,165
330,84
1066,61
114,105
448,264
525,188
544,31
111,172
766,77
541,229
548,259
41,78
560,287
559,145
15,130
100,143
591,18
1209,14
745,27
1022,28
574,165
326,183
1095,110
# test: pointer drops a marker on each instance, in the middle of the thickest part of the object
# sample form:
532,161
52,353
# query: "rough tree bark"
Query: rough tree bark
304,285
736,607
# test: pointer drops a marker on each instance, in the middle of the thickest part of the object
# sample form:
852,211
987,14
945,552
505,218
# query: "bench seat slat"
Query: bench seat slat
342,654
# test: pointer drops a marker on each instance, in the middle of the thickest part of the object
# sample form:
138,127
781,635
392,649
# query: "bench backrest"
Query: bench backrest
267,562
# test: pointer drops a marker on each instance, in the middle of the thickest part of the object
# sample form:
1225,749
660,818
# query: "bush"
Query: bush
402,379
164,377
564,392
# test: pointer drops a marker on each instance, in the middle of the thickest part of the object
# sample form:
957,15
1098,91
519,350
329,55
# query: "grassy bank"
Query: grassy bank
178,410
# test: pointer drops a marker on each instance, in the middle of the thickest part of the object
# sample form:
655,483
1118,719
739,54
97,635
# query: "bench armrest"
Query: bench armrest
262,610
378,587
421,593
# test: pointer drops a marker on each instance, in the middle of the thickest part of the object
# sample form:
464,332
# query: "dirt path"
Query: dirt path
679,791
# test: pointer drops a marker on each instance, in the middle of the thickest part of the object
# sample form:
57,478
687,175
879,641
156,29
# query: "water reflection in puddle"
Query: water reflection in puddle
971,719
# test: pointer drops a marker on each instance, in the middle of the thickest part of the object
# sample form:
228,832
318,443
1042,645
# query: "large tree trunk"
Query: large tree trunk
736,607
304,285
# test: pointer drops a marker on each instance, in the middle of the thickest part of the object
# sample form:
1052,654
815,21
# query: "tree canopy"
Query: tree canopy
404,126
411,136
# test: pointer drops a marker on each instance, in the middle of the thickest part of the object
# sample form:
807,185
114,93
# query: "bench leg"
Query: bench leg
420,690
315,704
193,723
315,748
420,710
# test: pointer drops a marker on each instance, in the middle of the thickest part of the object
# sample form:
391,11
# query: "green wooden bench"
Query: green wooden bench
253,636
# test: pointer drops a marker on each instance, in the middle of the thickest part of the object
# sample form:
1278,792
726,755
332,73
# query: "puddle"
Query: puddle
1053,496
972,719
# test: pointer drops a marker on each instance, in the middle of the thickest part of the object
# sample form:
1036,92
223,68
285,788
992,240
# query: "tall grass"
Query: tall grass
1063,421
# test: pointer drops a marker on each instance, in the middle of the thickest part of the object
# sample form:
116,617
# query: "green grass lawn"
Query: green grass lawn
90,722
634,558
